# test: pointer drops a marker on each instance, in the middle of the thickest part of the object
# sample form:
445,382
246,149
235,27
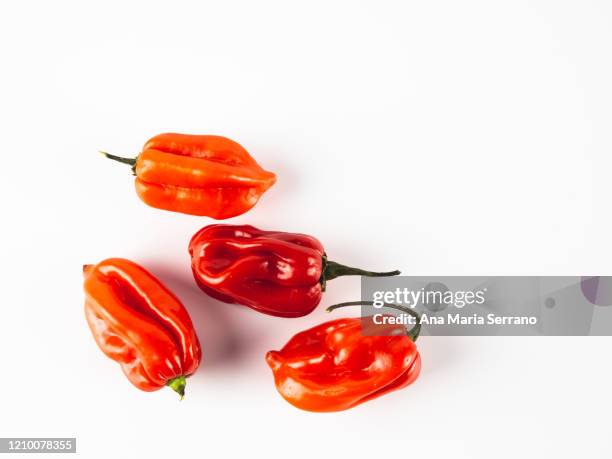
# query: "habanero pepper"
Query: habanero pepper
140,324
338,364
204,175
276,273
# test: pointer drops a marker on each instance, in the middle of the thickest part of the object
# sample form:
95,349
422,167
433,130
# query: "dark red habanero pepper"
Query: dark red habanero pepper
338,364
276,273
140,324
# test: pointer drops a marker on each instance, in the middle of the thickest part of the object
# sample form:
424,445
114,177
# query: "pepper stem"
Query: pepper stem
333,270
412,333
120,159
130,161
178,385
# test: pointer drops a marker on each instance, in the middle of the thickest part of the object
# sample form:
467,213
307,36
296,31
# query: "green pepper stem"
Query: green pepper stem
412,333
130,161
178,385
333,270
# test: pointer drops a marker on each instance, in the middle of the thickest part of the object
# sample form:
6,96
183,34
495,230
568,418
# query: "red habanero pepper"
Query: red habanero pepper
281,274
198,174
335,366
140,324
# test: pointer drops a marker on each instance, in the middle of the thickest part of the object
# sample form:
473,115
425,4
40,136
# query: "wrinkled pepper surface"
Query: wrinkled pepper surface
336,366
276,273
205,175
140,324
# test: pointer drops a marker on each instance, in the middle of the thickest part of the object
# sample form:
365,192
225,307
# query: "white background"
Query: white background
441,138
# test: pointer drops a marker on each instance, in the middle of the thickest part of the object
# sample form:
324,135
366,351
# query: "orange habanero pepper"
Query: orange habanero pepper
140,324
205,175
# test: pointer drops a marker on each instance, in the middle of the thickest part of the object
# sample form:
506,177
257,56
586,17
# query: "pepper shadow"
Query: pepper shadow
224,341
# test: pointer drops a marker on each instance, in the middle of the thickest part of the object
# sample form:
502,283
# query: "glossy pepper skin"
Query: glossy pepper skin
335,366
205,175
140,324
276,273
